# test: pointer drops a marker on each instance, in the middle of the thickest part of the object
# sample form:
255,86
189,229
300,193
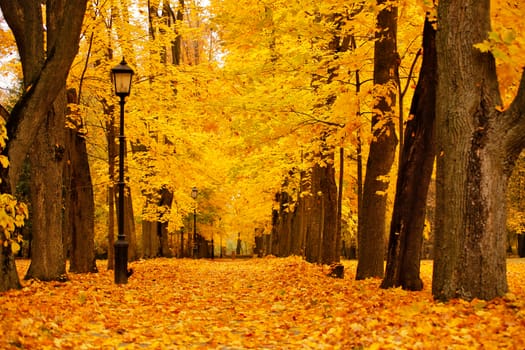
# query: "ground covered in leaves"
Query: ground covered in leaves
265,303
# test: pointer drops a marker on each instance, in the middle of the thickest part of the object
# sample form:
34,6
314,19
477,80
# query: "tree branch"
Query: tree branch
316,120
43,80
515,115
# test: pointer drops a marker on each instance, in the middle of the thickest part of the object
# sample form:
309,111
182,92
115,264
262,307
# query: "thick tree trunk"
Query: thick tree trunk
166,198
81,208
372,230
283,228
273,242
8,275
295,230
320,212
164,240
476,149
44,78
415,171
150,241
287,218
330,253
311,217
47,164
155,233
299,221
80,203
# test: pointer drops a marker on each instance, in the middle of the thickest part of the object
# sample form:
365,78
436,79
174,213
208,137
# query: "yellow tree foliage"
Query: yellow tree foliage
235,116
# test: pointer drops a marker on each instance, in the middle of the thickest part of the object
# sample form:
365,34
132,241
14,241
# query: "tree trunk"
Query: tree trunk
166,198
150,241
477,146
129,222
8,274
295,230
330,254
320,212
311,217
415,171
283,228
80,205
359,165
44,78
273,242
339,222
47,164
129,225
371,234
299,220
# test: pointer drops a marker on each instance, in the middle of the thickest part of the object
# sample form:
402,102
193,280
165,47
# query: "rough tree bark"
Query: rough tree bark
477,146
44,75
45,65
372,230
283,224
150,242
129,224
79,200
311,217
155,233
321,211
415,171
330,254
48,261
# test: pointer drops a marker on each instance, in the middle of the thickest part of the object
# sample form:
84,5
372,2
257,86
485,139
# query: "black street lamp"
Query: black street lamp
121,76
194,192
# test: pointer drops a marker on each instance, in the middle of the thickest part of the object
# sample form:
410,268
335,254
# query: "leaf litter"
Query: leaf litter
269,303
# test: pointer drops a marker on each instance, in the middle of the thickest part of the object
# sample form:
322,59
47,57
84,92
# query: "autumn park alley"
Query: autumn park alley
259,303
241,174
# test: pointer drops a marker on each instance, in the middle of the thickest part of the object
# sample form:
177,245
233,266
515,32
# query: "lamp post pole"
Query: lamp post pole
121,245
121,75
194,192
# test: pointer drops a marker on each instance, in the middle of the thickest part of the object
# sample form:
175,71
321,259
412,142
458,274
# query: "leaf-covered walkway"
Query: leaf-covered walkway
265,303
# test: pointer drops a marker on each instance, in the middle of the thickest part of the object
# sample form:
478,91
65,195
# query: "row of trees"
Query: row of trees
246,100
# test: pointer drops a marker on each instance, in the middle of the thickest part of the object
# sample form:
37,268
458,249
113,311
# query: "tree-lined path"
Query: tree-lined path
300,132
269,303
